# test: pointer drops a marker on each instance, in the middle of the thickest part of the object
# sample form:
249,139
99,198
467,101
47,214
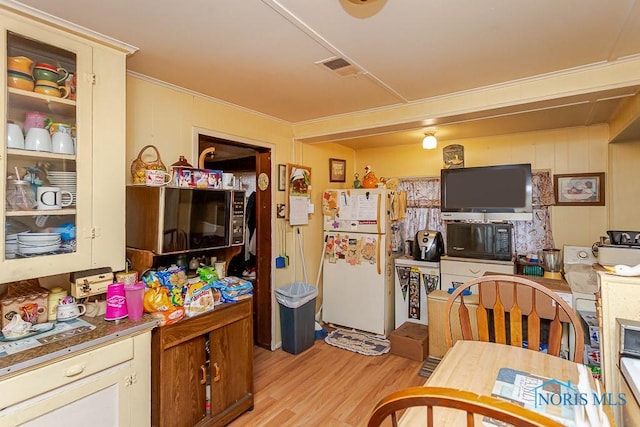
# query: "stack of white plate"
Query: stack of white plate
66,181
38,243
10,246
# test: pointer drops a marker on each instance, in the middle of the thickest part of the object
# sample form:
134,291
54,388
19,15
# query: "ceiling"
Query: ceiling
263,55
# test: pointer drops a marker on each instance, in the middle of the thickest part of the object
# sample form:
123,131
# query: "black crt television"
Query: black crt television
487,193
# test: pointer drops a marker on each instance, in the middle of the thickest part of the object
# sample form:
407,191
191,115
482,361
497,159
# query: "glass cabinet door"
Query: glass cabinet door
43,151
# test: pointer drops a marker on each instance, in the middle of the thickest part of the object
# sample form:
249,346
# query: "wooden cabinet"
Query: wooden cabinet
210,354
619,298
455,271
93,172
630,415
112,380
436,304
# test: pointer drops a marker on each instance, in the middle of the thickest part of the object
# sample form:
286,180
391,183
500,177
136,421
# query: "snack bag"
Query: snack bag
157,299
198,298
207,273
169,317
175,280
233,289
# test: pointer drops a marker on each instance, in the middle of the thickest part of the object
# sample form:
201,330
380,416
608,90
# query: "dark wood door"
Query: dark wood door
244,157
262,291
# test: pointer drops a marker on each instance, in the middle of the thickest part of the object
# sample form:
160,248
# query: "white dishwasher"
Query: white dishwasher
413,281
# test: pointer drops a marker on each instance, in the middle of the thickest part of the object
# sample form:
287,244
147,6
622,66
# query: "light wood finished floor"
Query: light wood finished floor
323,386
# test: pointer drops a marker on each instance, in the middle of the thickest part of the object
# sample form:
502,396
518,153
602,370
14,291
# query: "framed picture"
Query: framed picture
337,170
282,177
579,189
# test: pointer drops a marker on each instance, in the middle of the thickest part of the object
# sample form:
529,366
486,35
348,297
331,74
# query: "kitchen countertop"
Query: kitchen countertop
105,332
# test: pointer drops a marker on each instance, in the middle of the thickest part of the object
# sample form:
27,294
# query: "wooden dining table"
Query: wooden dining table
474,366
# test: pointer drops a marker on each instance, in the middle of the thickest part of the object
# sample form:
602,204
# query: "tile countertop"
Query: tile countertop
631,371
105,332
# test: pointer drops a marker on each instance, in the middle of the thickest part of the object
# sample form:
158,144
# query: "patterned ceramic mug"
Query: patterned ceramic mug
157,178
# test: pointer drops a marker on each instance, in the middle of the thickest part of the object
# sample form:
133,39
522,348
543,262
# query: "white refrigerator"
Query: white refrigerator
358,265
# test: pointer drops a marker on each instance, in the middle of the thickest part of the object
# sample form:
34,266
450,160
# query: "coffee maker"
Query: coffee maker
428,246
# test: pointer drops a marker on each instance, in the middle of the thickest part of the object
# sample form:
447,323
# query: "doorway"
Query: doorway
248,162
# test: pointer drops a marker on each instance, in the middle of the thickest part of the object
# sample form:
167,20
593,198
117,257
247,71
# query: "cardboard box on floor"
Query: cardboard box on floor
410,340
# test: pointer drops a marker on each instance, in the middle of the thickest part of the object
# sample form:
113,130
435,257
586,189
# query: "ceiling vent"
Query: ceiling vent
339,66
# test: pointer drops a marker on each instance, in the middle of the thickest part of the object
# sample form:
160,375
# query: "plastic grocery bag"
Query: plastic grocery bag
296,294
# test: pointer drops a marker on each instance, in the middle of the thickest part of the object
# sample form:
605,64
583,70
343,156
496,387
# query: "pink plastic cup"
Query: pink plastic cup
116,306
134,295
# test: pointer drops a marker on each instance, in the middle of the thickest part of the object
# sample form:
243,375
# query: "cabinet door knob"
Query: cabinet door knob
216,376
203,380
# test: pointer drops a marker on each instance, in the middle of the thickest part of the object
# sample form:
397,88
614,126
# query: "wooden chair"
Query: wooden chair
514,297
469,402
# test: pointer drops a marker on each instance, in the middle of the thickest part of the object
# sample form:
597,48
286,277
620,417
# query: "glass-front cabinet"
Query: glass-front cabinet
63,105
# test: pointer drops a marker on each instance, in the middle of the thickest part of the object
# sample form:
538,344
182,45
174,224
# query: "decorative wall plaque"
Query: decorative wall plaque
453,156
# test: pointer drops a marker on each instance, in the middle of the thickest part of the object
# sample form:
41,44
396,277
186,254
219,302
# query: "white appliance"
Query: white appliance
581,277
357,278
413,281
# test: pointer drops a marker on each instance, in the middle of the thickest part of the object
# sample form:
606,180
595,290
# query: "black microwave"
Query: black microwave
479,240
165,220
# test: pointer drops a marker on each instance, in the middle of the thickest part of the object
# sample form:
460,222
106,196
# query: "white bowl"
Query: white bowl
38,139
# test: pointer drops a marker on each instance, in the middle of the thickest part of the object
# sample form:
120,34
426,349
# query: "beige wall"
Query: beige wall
165,116
624,211
580,149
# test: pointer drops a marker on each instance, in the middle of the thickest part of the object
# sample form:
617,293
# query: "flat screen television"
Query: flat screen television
487,193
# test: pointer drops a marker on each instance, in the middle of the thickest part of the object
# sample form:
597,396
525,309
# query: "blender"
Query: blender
552,263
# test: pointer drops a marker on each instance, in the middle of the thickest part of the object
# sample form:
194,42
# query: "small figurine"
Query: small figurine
369,180
356,182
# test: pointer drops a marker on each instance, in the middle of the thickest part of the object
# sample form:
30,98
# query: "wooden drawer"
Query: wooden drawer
57,374
473,269
191,327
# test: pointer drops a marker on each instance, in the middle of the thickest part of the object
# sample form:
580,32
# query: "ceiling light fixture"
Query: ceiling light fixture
362,9
429,142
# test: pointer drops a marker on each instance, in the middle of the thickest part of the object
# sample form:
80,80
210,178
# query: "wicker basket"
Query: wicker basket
139,166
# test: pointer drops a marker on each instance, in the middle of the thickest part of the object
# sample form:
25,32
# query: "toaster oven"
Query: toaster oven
629,337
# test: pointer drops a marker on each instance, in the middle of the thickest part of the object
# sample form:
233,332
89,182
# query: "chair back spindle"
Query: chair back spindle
511,294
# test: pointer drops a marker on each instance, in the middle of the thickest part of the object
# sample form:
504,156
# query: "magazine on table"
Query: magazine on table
528,390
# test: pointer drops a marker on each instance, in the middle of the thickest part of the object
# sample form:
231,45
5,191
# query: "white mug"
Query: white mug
157,178
70,311
38,139
15,138
228,180
62,143
52,198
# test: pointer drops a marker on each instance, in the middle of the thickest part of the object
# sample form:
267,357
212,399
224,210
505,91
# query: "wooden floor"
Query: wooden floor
323,386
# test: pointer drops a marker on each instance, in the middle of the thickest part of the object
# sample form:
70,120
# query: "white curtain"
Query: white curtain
423,212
